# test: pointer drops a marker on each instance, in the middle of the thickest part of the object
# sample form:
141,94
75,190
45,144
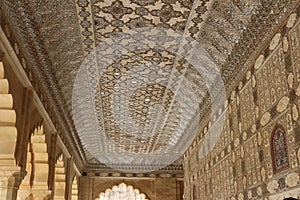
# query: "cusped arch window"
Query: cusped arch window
279,149
122,192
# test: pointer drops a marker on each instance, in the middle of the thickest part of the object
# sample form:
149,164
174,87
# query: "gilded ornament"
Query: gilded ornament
282,104
242,152
292,179
240,85
16,48
249,194
7,31
253,128
116,174
290,80
222,154
253,81
259,138
248,75
257,111
298,155
232,97
229,150
285,44
272,186
259,191
244,135
240,127
259,61
263,173
291,21
241,196
265,118
236,142
295,113
298,90
275,41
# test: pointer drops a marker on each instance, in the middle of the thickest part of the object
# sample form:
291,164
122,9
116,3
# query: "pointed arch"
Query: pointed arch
35,184
122,192
279,149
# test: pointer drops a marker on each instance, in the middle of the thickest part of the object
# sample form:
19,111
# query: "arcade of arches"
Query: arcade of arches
257,155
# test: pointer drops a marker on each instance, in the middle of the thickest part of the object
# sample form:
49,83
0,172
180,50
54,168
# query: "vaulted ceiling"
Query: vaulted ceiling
127,82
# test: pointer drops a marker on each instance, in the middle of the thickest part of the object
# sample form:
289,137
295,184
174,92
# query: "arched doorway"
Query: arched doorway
122,192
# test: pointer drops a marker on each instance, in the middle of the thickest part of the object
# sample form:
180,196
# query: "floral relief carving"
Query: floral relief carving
292,179
272,186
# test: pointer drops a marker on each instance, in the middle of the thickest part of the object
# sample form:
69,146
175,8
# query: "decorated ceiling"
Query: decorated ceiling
129,82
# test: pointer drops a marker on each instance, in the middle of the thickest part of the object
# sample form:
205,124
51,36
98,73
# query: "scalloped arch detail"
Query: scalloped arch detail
122,192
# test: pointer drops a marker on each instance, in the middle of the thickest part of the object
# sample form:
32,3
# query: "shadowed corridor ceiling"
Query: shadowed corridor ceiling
129,82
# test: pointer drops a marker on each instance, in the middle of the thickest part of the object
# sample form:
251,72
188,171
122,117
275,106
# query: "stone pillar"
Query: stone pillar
10,181
74,189
41,166
60,179
10,174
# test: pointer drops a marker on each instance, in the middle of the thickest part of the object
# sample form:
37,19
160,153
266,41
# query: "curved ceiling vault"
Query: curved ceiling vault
147,91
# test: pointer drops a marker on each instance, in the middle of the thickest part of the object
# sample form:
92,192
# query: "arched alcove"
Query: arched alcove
122,192
279,149
35,183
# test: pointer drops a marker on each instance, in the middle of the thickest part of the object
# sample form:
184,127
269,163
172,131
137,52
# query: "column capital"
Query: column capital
10,181
15,179
18,178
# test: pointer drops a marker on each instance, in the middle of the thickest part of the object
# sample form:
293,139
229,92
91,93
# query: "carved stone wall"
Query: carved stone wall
153,188
240,166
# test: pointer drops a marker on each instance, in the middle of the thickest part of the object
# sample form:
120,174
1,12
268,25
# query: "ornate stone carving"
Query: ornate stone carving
292,179
265,118
270,91
247,105
279,149
282,104
291,21
272,186
295,48
277,104
275,41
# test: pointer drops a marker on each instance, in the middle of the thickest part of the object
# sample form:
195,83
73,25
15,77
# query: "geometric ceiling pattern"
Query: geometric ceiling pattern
143,94
144,105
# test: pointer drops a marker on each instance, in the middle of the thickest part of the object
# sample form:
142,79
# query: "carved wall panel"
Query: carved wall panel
246,103
295,49
271,81
240,166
